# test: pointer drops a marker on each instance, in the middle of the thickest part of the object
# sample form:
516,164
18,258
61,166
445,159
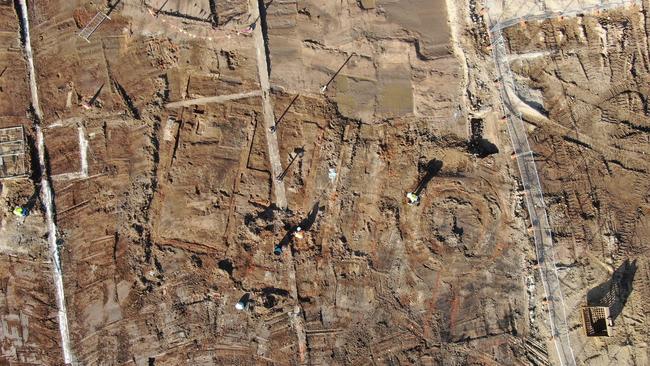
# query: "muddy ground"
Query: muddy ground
167,197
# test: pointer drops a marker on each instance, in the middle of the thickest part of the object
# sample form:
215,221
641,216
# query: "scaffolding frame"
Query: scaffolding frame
92,26
12,150
596,321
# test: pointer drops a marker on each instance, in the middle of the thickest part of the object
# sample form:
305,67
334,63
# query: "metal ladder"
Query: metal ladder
94,23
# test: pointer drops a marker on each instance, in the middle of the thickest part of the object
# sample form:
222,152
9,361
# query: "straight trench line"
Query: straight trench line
83,157
267,108
83,151
215,99
276,169
46,194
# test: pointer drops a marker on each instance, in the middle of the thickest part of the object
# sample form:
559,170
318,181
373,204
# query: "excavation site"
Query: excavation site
324,182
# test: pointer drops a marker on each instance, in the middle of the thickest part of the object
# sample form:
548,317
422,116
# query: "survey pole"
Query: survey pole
322,90
275,126
161,8
299,153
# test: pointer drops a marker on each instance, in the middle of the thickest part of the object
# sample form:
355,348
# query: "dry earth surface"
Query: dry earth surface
168,206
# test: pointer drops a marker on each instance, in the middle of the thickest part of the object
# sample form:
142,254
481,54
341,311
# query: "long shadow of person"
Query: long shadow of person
614,292
286,239
31,202
432,168
309,221
304,225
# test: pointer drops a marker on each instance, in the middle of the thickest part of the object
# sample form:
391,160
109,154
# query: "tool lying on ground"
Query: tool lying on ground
275,125
299,152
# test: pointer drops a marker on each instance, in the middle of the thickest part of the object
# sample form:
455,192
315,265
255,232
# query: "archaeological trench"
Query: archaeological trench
166,153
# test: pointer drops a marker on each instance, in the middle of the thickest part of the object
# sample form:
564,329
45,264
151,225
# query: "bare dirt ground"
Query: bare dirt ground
168,206
592,149
28,328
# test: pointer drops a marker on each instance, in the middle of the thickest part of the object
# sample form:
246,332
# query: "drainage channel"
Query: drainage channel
46,191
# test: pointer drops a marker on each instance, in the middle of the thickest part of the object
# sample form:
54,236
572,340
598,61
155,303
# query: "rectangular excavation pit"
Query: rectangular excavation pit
13,157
